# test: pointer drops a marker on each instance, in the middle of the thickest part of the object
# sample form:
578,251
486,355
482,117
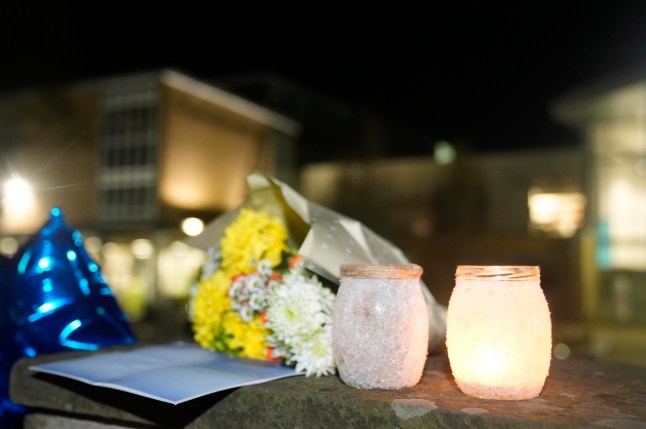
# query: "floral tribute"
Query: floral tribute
256,300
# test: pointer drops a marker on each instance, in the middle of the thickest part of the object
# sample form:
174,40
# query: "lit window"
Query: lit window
556,213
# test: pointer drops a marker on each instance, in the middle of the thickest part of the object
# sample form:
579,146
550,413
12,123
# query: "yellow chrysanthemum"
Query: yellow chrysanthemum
209,304
248,337
253,236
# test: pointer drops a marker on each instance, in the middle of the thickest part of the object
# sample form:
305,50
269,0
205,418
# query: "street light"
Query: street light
192,226
17,194
18,206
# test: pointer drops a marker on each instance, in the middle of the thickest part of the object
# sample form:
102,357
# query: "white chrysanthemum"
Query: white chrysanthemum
299,313
327,301
314,355
295,309
298,275
279,349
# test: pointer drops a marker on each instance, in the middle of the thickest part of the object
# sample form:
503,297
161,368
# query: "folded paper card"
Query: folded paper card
172,373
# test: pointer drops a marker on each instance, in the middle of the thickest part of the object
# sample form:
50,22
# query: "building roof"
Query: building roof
187,84
620,95
213,94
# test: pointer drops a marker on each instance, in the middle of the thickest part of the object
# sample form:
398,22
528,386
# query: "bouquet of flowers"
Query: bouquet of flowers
266,290
256,300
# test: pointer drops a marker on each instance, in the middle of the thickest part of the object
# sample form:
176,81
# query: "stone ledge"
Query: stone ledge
578,393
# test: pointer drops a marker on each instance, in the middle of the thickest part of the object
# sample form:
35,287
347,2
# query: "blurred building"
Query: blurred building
611,119
515,208
579,213
128,159
330,128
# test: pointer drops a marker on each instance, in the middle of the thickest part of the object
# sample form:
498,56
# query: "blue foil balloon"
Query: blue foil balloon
58,298
53,298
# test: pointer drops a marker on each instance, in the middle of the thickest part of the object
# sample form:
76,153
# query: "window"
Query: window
619,192
128,178
558,213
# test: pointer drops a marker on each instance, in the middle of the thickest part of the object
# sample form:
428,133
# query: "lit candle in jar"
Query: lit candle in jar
499,332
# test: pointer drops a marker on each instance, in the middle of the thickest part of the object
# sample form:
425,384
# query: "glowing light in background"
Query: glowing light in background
192,226
118,267
17,192
8,246
142,248
561,351
177,266
19,206
559,213
444,153
93,244
110,250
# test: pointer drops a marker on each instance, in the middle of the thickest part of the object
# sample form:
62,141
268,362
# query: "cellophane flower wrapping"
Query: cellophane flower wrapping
267,288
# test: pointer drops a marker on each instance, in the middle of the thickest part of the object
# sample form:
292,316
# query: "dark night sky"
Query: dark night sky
483,74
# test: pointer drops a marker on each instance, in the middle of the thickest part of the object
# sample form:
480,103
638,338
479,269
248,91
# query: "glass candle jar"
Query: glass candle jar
380,326
499,332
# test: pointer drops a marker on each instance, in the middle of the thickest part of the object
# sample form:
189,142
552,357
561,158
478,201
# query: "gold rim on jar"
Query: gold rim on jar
373,271
498,272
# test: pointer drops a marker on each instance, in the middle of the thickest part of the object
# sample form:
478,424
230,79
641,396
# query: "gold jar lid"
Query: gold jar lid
373,271
498,272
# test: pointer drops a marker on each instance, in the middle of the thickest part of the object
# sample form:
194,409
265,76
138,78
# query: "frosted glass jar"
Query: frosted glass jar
499,332
380,326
